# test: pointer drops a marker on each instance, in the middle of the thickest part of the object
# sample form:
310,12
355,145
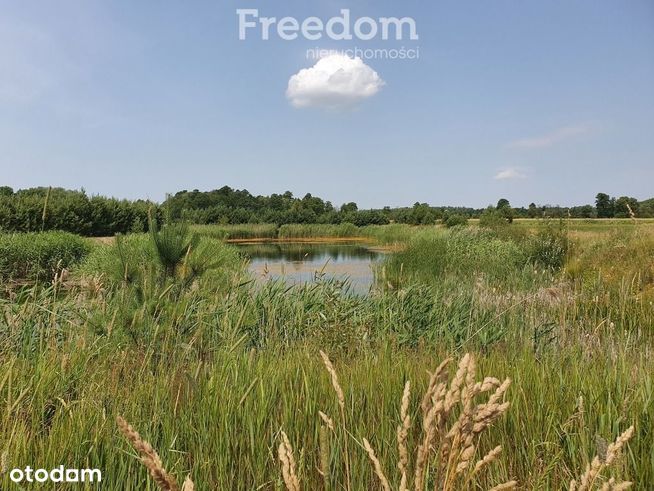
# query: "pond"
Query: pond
303,262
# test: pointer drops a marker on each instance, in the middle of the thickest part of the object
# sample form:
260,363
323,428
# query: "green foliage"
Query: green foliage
39,256
134,260
227,410
455,220
341,230
37,209
211,374
173,244
129,260
605,205
492,218
237,232
548,246
457,255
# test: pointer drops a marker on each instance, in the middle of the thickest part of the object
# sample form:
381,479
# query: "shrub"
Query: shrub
455,220
39,256
549,246
492,218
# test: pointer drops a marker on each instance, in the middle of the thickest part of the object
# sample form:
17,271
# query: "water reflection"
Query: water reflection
301,263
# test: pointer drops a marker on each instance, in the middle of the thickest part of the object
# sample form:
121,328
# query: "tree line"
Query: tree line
36,209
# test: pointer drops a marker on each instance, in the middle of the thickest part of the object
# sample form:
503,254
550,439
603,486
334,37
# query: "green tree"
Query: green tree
532,212
605,205
504,207
625,206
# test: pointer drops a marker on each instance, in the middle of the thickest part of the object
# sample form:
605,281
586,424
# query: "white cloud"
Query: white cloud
509,173
551,138
334,82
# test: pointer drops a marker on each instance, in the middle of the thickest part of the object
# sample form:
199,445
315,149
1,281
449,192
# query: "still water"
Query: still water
303,262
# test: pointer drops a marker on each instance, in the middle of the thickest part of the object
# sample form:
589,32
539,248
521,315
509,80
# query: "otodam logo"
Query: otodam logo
57,474
338,28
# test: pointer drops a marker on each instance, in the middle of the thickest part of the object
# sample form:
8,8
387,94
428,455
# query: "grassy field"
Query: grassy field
169,332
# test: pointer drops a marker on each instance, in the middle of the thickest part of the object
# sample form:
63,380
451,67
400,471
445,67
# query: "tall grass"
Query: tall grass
244,231
342,230
39,256
213,372
219,419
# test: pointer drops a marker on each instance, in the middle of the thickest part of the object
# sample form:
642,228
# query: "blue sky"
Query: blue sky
549,101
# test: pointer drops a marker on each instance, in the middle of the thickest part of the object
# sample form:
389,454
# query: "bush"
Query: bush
492,218
455,220
39,256
549,246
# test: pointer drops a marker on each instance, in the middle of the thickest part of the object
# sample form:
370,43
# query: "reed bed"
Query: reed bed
242,231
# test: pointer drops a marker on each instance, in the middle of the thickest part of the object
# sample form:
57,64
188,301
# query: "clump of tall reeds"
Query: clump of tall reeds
151,459
452,421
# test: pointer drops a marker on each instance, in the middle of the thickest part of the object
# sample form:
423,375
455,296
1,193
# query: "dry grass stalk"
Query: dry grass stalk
188,484
377,466
334,377
593,470
287,460
324,455
341,403
402,435
327,420
150,458
447,454
487,459
632,215
505,485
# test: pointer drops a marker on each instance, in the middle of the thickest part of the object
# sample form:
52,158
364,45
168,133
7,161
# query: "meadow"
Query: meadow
227,383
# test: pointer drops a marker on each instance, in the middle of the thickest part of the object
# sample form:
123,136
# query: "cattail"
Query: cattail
149,456
287,460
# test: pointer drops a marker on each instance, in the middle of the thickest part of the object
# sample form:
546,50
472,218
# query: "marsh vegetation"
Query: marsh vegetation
169,331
